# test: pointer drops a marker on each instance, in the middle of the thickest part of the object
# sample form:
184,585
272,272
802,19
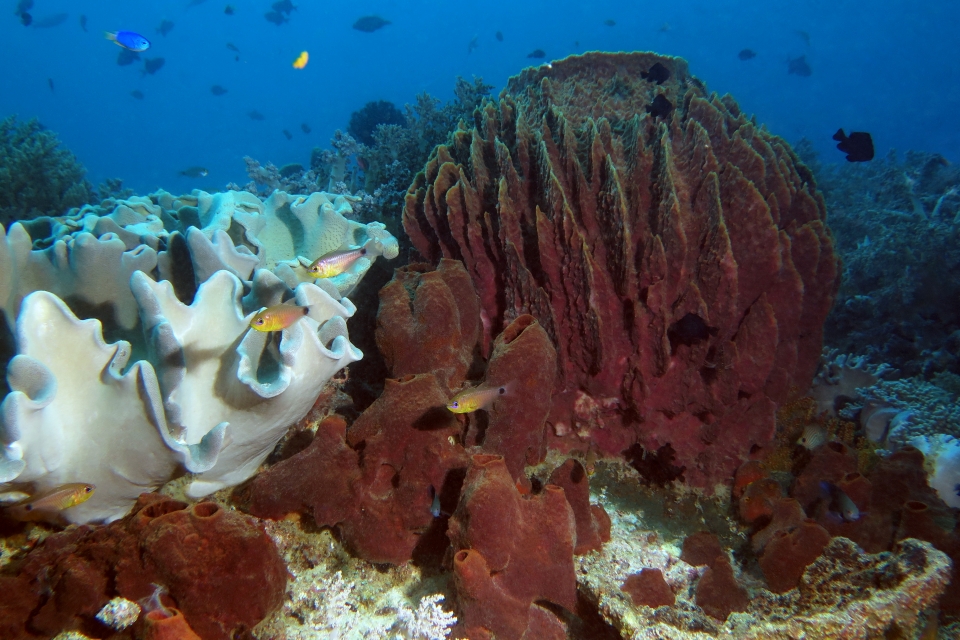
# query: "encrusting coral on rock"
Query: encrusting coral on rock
675,253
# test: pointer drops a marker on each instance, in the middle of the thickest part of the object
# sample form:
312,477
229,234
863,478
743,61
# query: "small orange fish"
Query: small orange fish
301,60
470,400
278,317
335,262
52,502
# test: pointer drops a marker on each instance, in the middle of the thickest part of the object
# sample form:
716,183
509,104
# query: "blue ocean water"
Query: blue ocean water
882,67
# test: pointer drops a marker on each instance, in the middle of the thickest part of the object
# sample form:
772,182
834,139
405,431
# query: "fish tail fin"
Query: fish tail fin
839,136
110,35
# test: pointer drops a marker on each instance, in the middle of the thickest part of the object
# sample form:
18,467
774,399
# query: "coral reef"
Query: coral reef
364,122
169,394
896,303
680,263
219,567
37,176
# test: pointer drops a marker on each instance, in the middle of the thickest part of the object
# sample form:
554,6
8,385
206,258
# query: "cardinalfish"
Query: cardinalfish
50,503
470,400
278,317
839,502
335,263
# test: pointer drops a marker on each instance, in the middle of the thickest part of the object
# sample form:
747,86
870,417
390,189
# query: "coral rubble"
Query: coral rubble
679,260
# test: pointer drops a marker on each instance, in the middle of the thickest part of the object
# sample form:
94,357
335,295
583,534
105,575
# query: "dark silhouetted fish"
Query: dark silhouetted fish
537,53
217,90
83,22
305,127
473,44
803,36
152,65
858,145
369,24
126,57
255,115
23,6
195,172
136,93
228,10
26,19
165,27
194,3
658,73
283,6
661,107
747,54
50,21
288,134
275,17
799,66
499,36
610,23
50,82
232,47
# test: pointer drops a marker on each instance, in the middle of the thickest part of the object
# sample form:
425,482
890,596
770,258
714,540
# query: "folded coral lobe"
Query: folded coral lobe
679,259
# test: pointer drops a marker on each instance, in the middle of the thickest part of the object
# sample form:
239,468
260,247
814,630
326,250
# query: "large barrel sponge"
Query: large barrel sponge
674,251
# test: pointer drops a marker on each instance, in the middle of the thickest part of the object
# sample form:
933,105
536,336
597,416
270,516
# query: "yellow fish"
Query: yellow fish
335,262
470,400
278,317
301,60
52,502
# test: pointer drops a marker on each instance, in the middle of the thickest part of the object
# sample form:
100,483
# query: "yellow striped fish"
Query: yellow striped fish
476,398
278,317
334,263
52,502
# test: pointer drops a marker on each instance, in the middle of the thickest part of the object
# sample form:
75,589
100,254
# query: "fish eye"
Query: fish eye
87,489
259,321
456,405
502,390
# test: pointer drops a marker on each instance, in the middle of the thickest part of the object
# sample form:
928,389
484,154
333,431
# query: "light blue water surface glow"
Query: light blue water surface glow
883,66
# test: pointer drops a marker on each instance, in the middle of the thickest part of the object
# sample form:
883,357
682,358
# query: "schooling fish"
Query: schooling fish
232,47
287,135
747,54
858,145
661,107
840,502
799,67
499,36
165,27
657,73
217,90
152,65
83,22
305,127
126,57
537,54
195,172
476,398
256,115
334,263
229,10
50,82
26,19
23,6
369,24
473,44
136,93
283,6
610,23
812,437
278,317
52,502
275,17
128,40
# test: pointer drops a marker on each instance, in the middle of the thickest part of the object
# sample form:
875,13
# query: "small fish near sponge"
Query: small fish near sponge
675,252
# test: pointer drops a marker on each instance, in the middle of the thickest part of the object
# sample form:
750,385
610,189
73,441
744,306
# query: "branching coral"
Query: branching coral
37,175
